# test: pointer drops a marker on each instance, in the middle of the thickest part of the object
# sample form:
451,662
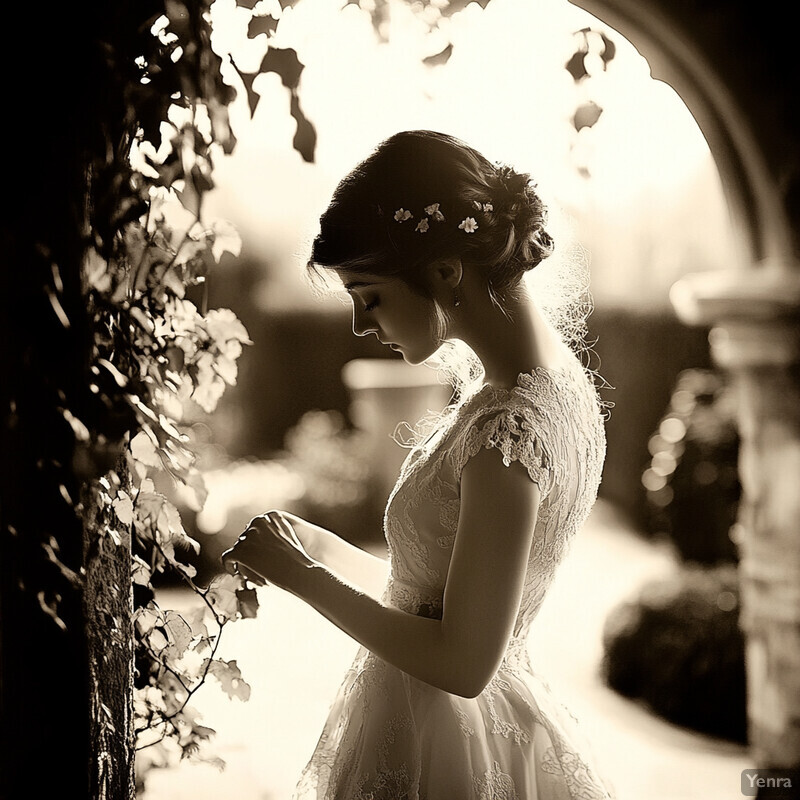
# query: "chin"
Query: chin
414,358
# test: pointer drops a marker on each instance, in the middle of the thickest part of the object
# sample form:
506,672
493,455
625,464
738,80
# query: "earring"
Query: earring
456,298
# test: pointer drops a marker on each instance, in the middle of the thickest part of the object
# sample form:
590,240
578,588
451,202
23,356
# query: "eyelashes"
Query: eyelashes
371,305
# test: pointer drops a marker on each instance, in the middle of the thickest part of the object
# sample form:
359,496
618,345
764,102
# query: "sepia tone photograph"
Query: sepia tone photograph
401,401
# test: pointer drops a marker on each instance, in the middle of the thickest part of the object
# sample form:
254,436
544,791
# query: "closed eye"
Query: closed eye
371,305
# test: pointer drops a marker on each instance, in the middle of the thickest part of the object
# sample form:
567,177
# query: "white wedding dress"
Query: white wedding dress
390,736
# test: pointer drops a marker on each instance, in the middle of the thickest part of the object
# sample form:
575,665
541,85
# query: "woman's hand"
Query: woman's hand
268,551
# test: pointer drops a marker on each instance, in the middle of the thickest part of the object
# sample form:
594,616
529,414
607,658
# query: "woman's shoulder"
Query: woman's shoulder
547,415
546,405
538,388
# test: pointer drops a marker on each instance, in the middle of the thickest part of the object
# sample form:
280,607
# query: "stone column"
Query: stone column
755,337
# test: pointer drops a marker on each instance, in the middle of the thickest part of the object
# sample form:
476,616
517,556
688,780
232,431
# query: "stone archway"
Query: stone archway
732,64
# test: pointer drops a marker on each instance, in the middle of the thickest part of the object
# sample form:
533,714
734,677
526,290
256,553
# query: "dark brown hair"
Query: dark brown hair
381,218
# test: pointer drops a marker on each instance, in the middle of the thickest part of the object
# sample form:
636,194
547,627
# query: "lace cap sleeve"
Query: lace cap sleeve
516,432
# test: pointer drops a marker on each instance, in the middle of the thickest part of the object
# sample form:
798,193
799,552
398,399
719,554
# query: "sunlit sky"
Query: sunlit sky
505,90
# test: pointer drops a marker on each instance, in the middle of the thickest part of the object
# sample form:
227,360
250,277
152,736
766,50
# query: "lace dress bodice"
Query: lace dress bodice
390,736
551,423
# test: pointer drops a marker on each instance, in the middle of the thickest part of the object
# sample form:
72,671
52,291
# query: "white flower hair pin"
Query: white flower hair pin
434,214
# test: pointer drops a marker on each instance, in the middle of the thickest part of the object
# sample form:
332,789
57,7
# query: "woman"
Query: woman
431,241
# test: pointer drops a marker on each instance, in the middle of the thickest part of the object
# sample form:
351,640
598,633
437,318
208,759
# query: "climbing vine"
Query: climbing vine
159,352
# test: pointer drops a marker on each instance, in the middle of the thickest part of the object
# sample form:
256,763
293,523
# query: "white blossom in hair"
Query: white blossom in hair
433,212
468,225
487,207
422,226
401,215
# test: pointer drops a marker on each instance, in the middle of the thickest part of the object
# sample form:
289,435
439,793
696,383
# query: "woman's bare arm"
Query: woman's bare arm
461,652
357,566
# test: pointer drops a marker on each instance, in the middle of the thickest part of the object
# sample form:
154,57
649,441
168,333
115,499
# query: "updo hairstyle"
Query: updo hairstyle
400,210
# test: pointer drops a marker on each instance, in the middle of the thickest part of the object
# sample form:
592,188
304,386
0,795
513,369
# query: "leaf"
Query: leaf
248,603
208,393
202,732
143,450
189,197
220,122
223,326
284,62
226,369
576,66
457,5
180,634
305,138
226,239
222,595
586,115
140,572
609,49
193,491
145,619
261,24
252,95
230,678
123,508
440,58
173,282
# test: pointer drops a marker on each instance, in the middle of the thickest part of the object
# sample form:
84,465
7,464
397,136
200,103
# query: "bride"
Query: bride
431,241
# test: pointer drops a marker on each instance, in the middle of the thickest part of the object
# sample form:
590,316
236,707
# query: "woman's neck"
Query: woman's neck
510,343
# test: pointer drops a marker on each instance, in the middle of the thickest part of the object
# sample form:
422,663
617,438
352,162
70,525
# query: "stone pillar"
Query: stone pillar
755,337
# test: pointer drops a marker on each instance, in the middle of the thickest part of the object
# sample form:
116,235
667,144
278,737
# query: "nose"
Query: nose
361,325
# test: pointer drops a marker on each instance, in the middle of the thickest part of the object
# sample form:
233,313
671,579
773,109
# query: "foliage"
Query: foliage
593,53
164,354
692,480
158,352
678,648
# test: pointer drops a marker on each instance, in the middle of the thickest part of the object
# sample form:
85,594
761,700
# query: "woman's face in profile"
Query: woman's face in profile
400,317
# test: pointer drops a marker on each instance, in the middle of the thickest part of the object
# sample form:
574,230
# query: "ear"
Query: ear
446,272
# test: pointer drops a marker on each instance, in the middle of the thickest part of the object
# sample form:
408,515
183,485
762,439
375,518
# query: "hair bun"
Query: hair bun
521,205
512,183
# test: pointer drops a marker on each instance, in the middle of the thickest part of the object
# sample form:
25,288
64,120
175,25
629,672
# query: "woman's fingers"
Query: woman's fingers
228,560
250,575
233,566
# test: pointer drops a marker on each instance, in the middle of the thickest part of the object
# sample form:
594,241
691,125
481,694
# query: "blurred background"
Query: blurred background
639,636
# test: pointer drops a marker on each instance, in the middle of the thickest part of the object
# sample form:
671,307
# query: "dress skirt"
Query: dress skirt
389,736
